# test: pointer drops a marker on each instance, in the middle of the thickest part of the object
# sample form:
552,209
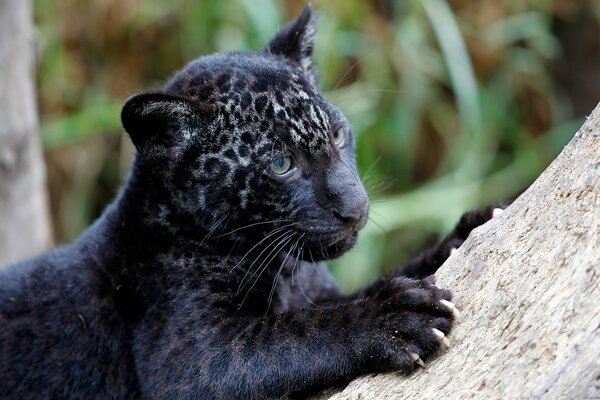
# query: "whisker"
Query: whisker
274,231
368,171
274,242
312,258
281,242
353,172
379,186
278,274
231,250
302,289
363,78
360,60
377,224
251,225
397,91
280,246
378,200
210,231
294,266
214,227
339,82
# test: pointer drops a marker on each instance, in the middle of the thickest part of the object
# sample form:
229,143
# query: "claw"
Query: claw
453,251
452,308
496,212
415,357
441,337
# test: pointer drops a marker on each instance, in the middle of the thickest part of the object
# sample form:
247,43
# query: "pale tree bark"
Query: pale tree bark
528,286
24,217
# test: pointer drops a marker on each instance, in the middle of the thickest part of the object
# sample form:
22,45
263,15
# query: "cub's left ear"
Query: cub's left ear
161,125
296,41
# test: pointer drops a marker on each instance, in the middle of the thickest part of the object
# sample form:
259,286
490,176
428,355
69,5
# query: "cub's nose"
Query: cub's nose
352,214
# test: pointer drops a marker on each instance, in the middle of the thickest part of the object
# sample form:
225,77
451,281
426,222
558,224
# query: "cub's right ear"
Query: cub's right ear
296,41
162,124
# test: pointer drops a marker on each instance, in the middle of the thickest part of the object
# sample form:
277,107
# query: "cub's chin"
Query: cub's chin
338,248
321,249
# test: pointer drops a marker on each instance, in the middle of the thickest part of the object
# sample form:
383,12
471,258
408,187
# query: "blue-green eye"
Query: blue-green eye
339,137
282,165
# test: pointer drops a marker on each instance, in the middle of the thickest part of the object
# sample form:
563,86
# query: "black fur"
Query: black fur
203,279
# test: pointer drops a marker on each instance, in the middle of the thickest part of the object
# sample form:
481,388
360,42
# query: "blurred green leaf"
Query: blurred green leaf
454,104
94,120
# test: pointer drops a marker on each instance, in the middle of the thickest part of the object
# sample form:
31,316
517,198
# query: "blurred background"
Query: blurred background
455,104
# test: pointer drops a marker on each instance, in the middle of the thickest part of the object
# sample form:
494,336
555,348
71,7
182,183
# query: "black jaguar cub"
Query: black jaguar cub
204,278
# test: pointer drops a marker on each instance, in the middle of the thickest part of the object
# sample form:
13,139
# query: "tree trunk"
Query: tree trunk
528,286
24,218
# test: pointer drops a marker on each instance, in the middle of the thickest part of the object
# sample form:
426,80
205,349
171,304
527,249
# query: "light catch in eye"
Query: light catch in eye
339,137
282,165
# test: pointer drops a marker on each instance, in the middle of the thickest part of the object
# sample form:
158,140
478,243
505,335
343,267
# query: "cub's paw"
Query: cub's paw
469,221
410,322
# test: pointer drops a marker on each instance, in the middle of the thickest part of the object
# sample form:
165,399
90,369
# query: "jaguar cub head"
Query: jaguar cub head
244,143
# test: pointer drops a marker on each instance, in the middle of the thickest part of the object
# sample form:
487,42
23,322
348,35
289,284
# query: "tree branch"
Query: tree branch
528,286
24,215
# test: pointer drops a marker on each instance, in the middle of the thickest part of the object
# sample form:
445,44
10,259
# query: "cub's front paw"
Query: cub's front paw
469,221
410,322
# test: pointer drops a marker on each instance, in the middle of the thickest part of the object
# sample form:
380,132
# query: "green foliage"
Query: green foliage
453,107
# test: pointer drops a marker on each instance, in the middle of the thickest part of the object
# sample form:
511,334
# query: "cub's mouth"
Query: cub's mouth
326,246
338,238
325,240
339,246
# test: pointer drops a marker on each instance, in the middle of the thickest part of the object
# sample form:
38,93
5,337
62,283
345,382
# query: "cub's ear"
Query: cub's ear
296,41
162,124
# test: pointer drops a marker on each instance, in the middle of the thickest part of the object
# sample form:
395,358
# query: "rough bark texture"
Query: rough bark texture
528,286
24,218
